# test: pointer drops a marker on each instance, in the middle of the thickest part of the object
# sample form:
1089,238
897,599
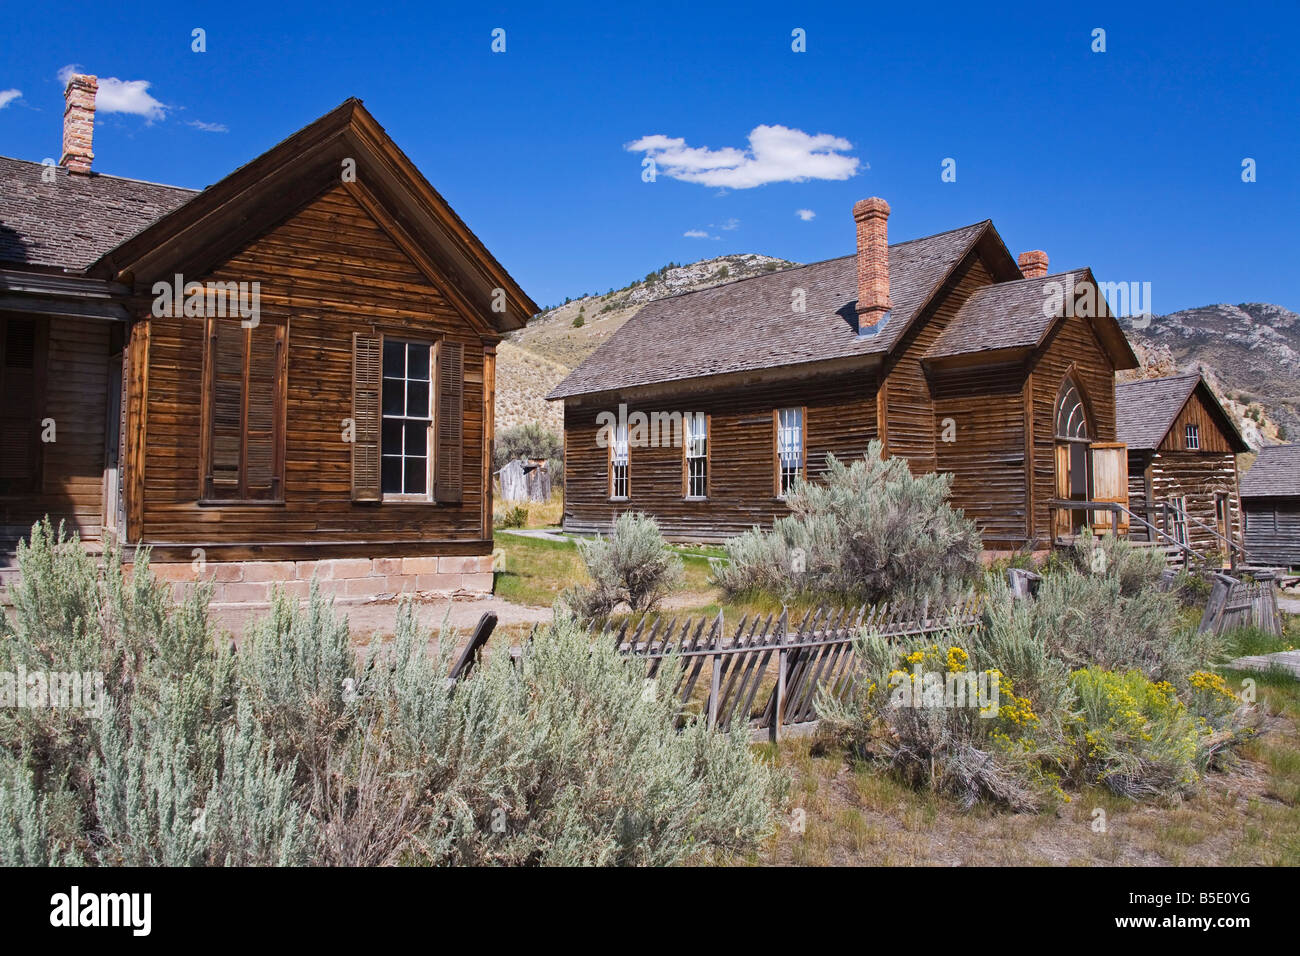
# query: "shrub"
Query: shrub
297,752
578,322
868,531
633,566
943,716
515,516
1135,736
1104,605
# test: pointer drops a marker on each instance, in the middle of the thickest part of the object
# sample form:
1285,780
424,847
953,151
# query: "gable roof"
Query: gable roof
258,195
1009,316
750,325
1146,409
72,221
1275,474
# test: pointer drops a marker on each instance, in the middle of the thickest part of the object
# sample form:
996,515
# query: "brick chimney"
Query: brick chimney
79,122
871,215
1033,264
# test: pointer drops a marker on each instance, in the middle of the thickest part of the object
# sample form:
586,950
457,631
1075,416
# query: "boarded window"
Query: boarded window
697,455
21,345
789,449
245,385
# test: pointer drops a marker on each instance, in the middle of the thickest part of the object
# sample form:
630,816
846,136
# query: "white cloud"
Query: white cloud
121,96
208,127
8,96
776,154
807,215
730,224
697,234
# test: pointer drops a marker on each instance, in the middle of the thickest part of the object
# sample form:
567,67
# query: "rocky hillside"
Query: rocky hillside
1249,352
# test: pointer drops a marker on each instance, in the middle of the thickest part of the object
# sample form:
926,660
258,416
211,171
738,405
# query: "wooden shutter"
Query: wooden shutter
226,358
19,428
1110,483
366,354
449,423
262,429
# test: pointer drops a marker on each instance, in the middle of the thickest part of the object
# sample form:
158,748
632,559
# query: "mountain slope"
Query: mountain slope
1249,352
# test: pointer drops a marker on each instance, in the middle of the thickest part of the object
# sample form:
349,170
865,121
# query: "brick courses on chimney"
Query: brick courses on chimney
79,122
1033,264
872,216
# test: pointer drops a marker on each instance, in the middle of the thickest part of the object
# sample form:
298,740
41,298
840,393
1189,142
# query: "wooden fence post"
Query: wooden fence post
778,712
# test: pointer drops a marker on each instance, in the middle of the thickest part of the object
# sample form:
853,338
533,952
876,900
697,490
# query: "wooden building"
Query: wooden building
1270,494
704,406
287,374
1182,453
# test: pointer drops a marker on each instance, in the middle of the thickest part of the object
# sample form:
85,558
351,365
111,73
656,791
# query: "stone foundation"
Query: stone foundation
347,580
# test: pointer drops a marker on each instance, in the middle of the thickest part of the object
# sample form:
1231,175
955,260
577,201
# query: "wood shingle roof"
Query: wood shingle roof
1146,409
752,324
1275,474
72,221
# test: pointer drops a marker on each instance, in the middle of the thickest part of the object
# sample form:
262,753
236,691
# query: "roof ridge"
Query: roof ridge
94,174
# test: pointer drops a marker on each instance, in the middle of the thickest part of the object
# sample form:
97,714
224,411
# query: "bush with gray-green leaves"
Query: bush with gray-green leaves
297,750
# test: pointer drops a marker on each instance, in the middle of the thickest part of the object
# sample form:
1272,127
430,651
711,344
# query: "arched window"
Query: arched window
1071,417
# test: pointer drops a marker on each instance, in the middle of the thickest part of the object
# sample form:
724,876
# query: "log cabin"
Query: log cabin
1182,453
954,354
313,400
1270,495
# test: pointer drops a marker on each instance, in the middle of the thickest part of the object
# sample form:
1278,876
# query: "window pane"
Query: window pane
394,397
417,399
417,357
392,474
417,434
394,359
415,484
392,437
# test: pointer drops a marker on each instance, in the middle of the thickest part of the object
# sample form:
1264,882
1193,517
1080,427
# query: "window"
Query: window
789,448
20,446
1180,518
697,455
407,401
618,481
1071,417
244,381
1193,437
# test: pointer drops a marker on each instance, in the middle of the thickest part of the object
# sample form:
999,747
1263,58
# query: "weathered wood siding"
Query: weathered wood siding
1072,344
908,407
840,419
75,392
1210,432
330,270
987,454
1273,531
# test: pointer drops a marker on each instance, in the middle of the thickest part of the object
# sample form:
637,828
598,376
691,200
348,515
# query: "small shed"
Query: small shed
1270,495
525,479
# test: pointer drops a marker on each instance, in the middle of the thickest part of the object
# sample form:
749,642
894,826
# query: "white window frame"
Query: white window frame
791,426
619,470
696,429
404,418
1192,437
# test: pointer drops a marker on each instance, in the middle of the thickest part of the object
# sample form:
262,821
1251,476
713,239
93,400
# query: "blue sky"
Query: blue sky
1129,161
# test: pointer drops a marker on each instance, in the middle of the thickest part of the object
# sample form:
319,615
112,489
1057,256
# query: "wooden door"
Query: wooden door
1110,483
1061,523
112,447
